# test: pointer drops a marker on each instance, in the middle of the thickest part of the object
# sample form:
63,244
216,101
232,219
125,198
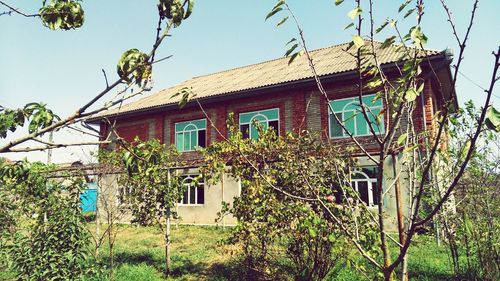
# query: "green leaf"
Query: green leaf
291,40
493,119
411,94
189,9
282,21
358,41
349,26
376,82
291,49
354,12
273,12
464,151
410,11
388,42
278,4
402,139
403,6
381,27
418,36
338,2
294,56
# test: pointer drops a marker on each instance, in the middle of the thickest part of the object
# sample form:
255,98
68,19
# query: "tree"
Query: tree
48,212
418,151
471,232
400,94
155,186
291,187
134,70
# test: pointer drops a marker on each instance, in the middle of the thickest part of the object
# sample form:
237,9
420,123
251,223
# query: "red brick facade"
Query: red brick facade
300,108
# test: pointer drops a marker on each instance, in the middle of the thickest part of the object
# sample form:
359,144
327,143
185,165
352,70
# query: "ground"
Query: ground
198,254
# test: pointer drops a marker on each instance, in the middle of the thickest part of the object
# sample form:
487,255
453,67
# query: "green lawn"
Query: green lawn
198,254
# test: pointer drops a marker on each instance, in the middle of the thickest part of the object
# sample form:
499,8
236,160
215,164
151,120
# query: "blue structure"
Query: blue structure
88,198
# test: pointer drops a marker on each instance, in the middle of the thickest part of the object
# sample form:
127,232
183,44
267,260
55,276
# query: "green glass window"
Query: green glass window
268,118
350,113
190,134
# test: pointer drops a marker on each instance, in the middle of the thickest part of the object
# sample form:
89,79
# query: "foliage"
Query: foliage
38,115
62,14
472,233
285,182
174,10
133,66
155,186
51,243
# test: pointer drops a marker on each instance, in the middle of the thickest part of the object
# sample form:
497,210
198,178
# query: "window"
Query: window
123,197
194,193
266,118
350,113
190,134
364,181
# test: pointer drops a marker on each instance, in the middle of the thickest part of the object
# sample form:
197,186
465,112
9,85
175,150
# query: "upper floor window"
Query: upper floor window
194,193
268,118
364,181
349,111
190,134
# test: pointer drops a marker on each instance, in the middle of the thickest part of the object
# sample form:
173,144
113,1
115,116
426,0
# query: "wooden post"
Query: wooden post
222,188
399,208
168,239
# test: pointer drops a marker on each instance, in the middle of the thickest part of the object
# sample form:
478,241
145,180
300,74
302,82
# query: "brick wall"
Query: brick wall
300,108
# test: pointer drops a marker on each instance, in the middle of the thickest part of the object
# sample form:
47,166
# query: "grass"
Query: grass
197,254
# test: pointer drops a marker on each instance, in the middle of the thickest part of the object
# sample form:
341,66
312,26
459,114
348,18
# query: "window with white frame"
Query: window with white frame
349,111
194,192
123,196
190,135
268,118
364,182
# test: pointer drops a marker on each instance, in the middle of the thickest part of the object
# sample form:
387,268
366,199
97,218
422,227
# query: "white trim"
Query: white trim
189,131
188,185
369,185
258,113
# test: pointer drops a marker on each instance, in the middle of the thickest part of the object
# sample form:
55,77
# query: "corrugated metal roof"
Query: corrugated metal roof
327,61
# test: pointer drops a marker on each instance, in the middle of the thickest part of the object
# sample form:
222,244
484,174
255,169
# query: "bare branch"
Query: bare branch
51,145
17,11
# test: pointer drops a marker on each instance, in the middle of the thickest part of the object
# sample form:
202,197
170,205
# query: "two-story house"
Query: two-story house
280,96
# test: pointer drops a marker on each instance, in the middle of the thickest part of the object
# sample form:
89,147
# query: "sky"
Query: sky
64,68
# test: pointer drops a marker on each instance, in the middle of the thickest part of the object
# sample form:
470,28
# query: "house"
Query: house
280,96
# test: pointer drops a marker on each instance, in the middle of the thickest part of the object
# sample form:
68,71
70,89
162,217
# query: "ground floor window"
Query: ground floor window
364,181
123,197
194,193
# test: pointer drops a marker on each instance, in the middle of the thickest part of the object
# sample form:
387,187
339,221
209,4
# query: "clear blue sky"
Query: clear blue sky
63,68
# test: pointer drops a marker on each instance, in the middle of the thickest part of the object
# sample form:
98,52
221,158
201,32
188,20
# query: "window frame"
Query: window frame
123,197
190,131
259,113
188,192
381,128
368,180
